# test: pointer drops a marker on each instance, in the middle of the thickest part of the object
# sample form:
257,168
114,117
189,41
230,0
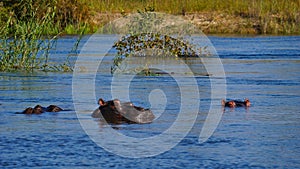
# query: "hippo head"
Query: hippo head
109,105
228,104
53,108
247,102
231,104
119,107
114,111
108,111
28,110
38,109
133,113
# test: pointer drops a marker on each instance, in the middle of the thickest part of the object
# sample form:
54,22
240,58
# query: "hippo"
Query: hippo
115,112
236,103
38,109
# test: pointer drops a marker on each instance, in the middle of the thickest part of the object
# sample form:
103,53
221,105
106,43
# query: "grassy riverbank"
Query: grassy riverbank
214,16
217,16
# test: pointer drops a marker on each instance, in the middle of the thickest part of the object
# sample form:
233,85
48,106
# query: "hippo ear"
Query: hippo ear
101,102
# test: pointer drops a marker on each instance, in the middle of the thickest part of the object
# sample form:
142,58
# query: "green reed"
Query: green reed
22,41
24,44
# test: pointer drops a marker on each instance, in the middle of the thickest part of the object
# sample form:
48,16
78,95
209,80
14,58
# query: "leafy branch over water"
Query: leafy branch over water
138,42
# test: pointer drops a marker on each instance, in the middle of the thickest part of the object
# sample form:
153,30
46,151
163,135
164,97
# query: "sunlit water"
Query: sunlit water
263,69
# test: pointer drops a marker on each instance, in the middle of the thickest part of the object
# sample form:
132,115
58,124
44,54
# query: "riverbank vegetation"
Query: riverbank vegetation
218,16
213,16
26,38
29,28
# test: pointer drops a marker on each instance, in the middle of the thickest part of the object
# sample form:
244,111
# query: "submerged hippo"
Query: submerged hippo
236,103
114,111
38,109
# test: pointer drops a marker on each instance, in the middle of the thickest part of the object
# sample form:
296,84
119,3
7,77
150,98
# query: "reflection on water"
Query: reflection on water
263,69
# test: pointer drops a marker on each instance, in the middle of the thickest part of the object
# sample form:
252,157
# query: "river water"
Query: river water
266,70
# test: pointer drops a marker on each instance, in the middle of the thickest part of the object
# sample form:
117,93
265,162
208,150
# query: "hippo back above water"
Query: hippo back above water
114,111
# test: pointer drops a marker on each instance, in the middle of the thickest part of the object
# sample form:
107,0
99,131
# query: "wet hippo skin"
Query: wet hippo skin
236,103
38,109
114,111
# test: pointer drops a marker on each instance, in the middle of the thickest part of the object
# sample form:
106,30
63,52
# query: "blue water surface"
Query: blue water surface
267,135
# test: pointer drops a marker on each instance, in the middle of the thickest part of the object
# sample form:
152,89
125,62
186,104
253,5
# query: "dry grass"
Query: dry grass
231,16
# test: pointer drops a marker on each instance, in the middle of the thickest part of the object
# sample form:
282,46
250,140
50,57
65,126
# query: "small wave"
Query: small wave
217,140
260,56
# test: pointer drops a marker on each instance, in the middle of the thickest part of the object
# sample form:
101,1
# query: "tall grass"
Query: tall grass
69,16
24,44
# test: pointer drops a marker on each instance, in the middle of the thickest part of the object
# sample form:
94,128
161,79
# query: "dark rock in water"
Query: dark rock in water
115,112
